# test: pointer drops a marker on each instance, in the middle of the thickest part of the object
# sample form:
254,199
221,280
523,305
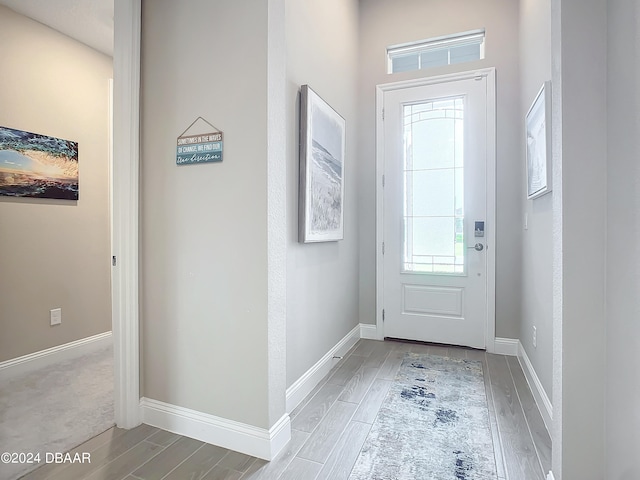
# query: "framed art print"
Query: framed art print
538,144
322,156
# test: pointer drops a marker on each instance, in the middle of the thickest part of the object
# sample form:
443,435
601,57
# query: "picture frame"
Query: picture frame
538,144
322,161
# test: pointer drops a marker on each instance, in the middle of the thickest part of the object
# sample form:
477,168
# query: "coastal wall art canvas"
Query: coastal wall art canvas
33,165
322,157
538,122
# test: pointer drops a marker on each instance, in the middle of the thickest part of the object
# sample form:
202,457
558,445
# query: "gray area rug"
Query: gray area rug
56,408
433,425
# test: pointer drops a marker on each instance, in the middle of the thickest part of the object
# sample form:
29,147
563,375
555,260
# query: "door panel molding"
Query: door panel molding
449,300
490,233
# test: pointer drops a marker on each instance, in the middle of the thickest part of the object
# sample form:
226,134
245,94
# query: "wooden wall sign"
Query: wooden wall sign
202,148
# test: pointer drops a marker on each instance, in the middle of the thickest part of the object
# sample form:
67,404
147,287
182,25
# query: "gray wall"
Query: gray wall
623,248
204,227
384,23
55,253
537,246
579,59
322,279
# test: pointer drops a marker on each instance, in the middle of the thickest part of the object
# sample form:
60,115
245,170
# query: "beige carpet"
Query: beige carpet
56,408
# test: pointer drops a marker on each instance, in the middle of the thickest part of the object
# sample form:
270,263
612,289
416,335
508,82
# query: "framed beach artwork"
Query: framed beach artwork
538,144
322,156
33,165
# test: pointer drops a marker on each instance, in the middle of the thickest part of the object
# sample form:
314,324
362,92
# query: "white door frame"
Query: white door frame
125,190
490,74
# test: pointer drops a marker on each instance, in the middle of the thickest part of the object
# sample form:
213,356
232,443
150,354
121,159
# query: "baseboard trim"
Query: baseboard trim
236,436
506,346
45,358
368,331
539,393
550,476
308,381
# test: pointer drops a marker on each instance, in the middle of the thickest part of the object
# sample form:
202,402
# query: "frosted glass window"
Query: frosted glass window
434,187
433,58
464,53
436,52
405,63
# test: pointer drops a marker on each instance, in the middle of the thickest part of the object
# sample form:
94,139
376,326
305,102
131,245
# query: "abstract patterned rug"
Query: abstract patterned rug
433,425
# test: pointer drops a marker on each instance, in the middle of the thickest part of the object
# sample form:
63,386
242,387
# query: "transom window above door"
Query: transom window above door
436,52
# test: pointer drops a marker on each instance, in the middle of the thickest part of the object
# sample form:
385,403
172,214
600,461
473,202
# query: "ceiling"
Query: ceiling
88,21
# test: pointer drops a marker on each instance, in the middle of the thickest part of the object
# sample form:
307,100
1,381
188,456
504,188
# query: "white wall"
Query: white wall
322,279
537,240
384,23
623,248
204,228
55,253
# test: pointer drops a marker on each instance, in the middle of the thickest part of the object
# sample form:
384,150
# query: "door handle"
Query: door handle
477,247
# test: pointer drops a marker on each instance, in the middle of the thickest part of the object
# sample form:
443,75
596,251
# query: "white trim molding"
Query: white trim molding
369,331
236,436
550,476
492,206
308,381
539,393
505,346
45,358
125,191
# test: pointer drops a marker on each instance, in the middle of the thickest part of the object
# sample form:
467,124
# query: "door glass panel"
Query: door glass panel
434,187
431,191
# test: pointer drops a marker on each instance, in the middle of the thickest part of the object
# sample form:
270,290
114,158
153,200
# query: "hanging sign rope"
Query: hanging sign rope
202,148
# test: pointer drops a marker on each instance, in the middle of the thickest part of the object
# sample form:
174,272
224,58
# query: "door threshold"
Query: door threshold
419,342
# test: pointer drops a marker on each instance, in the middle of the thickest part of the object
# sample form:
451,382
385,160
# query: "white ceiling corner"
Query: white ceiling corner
88,21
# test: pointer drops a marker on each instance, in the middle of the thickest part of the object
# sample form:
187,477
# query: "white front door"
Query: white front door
436,223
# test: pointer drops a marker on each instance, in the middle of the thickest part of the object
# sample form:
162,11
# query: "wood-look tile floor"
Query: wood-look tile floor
328,429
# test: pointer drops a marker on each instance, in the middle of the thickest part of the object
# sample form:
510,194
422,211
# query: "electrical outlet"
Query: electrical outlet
535,337
56,316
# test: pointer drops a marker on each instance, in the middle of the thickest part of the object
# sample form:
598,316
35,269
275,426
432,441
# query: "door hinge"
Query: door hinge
383,114
382,181
383,248
114,261
383,315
